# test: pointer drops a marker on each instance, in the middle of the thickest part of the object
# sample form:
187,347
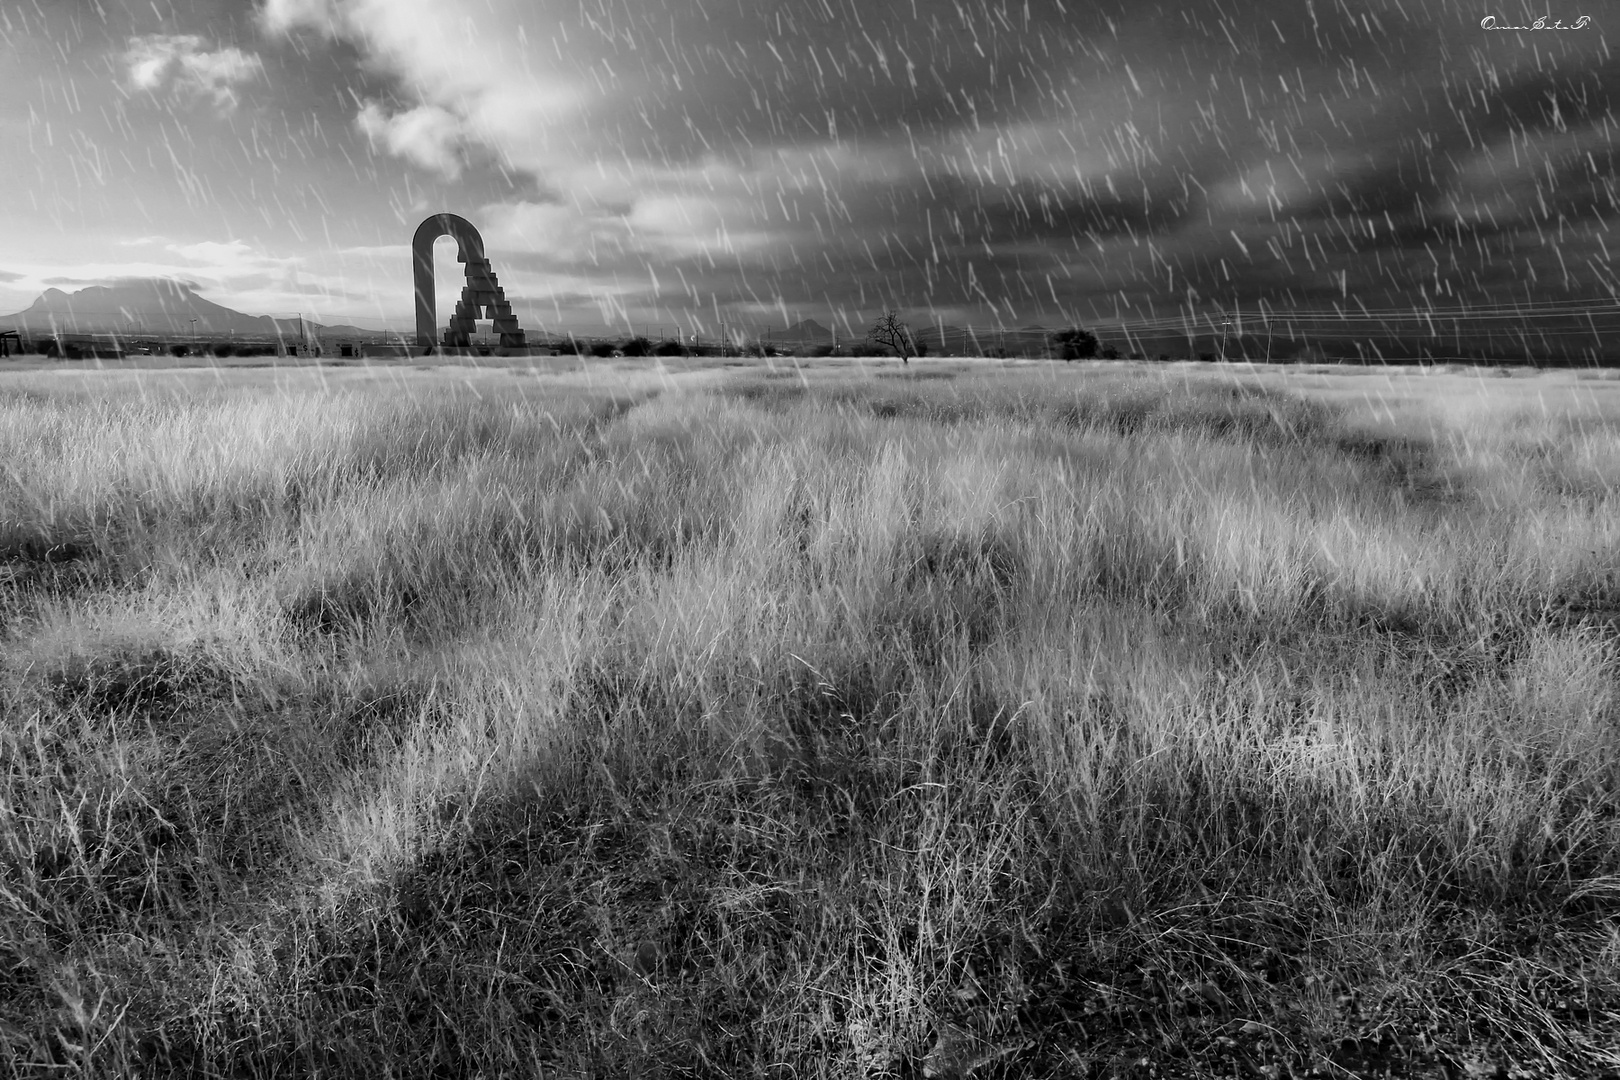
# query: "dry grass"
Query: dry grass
993,720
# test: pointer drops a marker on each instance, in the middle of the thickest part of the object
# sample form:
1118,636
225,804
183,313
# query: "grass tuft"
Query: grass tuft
988,722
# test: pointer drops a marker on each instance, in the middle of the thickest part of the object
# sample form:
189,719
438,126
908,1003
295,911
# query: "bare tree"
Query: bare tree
890,331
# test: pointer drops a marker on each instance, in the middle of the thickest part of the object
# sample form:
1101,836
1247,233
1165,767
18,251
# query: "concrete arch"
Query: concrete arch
481,291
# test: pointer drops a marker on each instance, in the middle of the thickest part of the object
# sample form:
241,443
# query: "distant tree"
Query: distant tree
224,349
669,348
1109,353
1075,343
602,348
890,331
637,346
179,350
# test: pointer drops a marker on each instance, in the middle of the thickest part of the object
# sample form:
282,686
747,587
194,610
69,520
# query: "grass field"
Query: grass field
974,719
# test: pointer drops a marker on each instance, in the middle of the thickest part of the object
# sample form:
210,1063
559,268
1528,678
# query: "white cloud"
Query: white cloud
184,62
283,16
233,255
565,233
476,75
427,135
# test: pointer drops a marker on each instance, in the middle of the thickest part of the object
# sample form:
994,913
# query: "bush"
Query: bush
602,348
569,347
223,350
637,346
1075,343
669,348
1110,353
179,350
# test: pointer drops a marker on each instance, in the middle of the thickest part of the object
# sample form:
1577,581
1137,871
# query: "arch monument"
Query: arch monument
480,293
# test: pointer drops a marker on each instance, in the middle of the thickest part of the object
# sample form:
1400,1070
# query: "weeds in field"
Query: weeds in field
823,726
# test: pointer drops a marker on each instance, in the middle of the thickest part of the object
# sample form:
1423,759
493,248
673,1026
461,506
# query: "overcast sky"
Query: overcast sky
684,162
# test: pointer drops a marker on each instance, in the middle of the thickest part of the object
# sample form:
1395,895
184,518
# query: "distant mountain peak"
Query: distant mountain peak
803,329
161,307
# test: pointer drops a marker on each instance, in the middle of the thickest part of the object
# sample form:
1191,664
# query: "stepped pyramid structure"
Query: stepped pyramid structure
482,293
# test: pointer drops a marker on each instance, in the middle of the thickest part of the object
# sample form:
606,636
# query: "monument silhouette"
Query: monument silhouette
481,292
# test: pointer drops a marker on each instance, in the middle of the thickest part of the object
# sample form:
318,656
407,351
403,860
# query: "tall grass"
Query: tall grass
807,723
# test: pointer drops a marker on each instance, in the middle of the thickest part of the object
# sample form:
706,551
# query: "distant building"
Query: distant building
82,346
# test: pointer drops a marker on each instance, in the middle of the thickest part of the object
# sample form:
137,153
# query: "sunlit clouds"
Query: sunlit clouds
427,136
184,64
469,73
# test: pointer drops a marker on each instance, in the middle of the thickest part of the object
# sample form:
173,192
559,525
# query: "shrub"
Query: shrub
223,350
1110,353
179,350
637,346
602,348
1075,343
669,348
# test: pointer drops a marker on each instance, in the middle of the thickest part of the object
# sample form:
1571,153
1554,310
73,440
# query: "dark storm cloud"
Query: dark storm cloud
1404,106
781,72
725,155
977,153
1411,171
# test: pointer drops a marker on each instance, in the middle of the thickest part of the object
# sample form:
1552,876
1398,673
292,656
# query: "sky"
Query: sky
658,164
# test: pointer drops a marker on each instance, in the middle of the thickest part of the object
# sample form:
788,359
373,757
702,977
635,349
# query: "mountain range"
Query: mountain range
806,331
165,308
160,307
